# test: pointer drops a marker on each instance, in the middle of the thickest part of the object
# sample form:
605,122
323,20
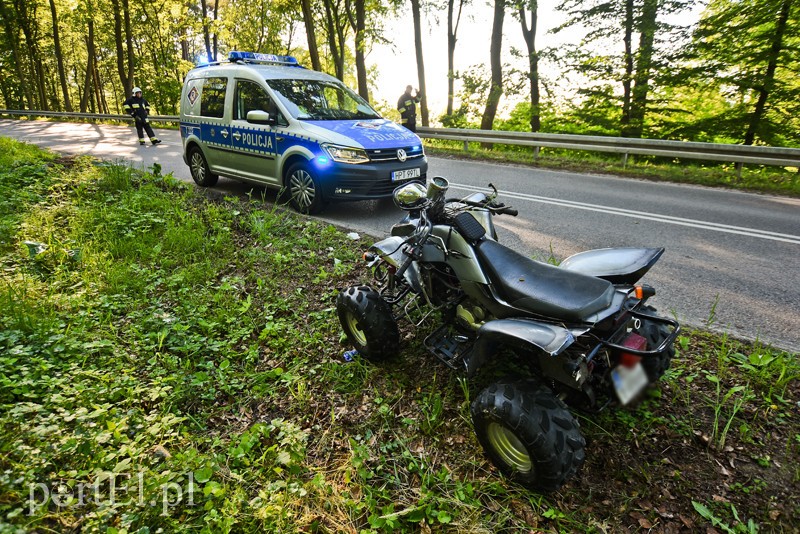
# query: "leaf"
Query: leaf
224,365
703,510
283,458
203,475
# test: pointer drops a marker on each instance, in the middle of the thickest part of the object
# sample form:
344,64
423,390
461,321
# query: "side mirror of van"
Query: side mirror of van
259,117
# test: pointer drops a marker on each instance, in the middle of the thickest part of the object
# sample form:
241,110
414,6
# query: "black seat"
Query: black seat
543,289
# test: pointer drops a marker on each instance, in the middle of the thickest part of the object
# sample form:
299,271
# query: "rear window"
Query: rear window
212,101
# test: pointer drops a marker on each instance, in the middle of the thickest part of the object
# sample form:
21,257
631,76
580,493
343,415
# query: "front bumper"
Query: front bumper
341,181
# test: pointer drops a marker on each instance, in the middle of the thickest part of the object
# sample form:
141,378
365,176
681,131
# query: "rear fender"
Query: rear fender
617,265
521,334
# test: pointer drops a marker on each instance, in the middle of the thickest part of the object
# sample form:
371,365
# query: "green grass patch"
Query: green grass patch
169,362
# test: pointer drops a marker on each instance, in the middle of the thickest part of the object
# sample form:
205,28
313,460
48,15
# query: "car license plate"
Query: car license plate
629,381
405,175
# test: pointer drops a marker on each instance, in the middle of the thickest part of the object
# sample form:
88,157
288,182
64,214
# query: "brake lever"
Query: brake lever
494,192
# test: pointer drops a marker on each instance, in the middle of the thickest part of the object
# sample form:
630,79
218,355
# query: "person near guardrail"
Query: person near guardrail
407,106
139,108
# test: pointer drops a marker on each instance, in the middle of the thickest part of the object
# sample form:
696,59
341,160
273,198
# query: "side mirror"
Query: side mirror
258,116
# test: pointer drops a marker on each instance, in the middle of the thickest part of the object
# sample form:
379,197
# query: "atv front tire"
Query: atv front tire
528,433
655,334
368,322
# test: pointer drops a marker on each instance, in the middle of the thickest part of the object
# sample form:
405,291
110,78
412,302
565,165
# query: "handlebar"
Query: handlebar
508,210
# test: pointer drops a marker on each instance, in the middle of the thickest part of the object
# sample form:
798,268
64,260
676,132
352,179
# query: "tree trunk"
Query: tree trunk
495,49
627,76
769,77
87,80
11,30
529,34
216,16
359,26
336,30
423,105
644,66
452,31
311,35
28,25
206,35
118,43
62,75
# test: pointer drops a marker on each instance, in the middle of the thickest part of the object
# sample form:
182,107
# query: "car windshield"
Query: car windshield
321,100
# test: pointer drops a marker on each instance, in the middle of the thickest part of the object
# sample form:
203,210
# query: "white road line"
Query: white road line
739,230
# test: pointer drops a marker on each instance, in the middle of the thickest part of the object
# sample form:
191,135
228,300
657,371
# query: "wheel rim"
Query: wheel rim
198,167
509,448
355,330
301,186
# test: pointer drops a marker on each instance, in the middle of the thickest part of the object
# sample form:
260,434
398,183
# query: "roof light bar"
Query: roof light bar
236,56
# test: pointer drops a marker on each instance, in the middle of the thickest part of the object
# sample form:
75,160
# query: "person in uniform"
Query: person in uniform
138,108
407,106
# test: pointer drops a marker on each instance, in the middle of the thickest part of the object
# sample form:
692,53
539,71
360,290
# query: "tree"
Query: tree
124,36
359,25
525,8
415,13
452,38
336,28
750,48
607,53
311,34
62,75
495,49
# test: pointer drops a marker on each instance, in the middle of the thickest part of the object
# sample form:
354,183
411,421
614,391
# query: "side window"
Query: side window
212,102
251,96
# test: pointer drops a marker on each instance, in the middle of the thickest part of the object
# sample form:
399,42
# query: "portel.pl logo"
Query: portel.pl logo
111,489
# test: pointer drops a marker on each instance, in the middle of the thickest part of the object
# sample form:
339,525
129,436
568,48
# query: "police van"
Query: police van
264,119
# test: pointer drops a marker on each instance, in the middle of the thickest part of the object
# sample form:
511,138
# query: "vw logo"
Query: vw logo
401,155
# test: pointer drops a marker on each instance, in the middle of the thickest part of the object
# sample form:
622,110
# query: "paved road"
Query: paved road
731,257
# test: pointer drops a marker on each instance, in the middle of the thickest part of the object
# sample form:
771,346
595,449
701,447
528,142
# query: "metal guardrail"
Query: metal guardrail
758,155
76,115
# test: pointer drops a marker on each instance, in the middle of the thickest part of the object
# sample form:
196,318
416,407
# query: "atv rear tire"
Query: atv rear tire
655,334
368,322
528,433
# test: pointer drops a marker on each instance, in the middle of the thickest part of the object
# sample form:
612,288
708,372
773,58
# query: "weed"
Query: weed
738,526
738,395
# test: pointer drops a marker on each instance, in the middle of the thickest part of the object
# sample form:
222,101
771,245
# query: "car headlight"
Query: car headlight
344,154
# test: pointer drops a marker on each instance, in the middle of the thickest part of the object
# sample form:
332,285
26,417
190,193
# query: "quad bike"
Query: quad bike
581,331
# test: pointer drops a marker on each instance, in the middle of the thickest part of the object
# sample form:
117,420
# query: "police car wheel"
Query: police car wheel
303,189
198,166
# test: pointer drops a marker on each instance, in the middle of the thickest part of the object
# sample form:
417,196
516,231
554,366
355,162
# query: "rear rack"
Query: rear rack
676,329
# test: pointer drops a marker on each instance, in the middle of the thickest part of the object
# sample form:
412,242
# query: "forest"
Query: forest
730,76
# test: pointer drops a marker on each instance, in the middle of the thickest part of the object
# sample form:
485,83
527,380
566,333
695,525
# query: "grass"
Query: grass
762,179
171,362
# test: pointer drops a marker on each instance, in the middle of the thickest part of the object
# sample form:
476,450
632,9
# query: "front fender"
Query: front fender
390,250
522,334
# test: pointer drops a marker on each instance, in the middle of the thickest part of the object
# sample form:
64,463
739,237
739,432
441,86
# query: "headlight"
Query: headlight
344,154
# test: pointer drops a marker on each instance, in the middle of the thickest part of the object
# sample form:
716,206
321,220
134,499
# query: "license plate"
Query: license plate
405,175
629,381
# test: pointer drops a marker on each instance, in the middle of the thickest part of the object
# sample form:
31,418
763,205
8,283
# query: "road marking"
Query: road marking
693,223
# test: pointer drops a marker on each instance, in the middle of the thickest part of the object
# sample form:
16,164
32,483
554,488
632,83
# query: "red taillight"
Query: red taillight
632,341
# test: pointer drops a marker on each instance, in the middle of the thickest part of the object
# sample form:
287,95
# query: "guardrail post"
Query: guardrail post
466,145
624,160
536,150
